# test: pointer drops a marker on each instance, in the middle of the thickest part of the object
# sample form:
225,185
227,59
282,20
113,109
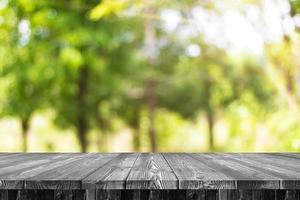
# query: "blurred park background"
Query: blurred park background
140,75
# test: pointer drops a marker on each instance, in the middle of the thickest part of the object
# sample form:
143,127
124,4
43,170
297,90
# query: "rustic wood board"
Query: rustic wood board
246,177
11,168
151,195
113,175
151,171
70,175
193,174
286,170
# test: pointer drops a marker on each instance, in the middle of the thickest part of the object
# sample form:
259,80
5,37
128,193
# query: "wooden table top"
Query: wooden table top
149,171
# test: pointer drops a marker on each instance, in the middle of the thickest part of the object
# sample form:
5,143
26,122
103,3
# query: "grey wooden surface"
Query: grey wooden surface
149,171
151,195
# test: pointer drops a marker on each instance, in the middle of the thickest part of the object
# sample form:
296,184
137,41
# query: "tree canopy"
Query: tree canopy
138,65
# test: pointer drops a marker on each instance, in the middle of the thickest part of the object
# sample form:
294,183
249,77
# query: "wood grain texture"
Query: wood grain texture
113,175
3,194
147,194
246,177
68,176
91,194
151,195
11,169
151,171
282,167
195,195
69,194
193,174
109,194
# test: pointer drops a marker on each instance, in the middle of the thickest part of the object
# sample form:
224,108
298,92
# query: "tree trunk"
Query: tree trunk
25,128
136,131
81,132
136,140
81,124
103,134
209,111
211,123
151,102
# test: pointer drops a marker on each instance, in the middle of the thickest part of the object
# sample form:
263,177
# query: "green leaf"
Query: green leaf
107,7
71,57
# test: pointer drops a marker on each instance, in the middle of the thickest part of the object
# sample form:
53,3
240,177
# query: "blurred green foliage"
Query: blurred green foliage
149,75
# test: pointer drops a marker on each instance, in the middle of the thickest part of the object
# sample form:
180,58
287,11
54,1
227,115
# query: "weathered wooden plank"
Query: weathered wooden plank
142,195
235,195
158,195
45,194
109,194
69,194
177,194
291,163
11,163
8,155
3,195
258,194
232,194
289,179
264,194
288,163
193,174
32,195
147,194
245,194
11,184
18,160
195,195
152,195
7,159
291,194
246,177
54,163
12,194
113,174
166,194
211,195
287,194
139,194
91,194
68,176
22,195
11,173
285,168
26,195
151,171
280,194
223,195
262,165
42,195
290,155
78,195
292,184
